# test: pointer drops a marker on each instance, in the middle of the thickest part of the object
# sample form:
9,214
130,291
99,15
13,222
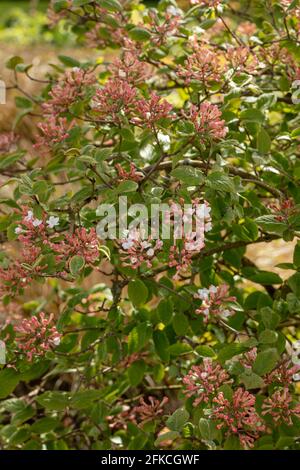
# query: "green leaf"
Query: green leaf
57,401
161,344
165,311
251,380
110,5
45,425
270,318
220,182
252,115
13,62
208,429
189,175
180,324
265,361
136,372
127,187
167,436
178,349
69,61
139,34
205,351
137,292
178,420
294,283
263,141
296,257
264,278
268,337
233,349
76,264
9,379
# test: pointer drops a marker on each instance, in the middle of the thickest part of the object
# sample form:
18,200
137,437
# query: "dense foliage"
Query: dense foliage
140,343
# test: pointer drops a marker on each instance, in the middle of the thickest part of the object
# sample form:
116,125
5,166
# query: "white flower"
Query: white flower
127,244
18,230
56,341
29,216
147,152
203,294
208,227
213,289
174,11
52,221
296,377
145,245
164,140
207,210
150,252
37,222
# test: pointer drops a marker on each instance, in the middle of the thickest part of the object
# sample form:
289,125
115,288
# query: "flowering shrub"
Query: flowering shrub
157,336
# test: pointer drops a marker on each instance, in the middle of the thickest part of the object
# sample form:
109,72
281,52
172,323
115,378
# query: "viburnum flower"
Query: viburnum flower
203,65
150,111
115,99
248,358
214,302
7,141
132,174
162,29
283,209
238,416
246,28
284,374
148,411
36,336
189,234
242,59
69,89
81,243
52,221
203,381
207,121
130,69
54,130
280,406
136,250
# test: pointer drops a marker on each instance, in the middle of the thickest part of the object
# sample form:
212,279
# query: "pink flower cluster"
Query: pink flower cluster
132,174
36,336
203,381
149,112
242,59
130,69
161,30
207,120
145,412
280,407
115,99
81,243
69,89
55,130
203,65
136,250
214,301
283,210
238,416
191,241
7,141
